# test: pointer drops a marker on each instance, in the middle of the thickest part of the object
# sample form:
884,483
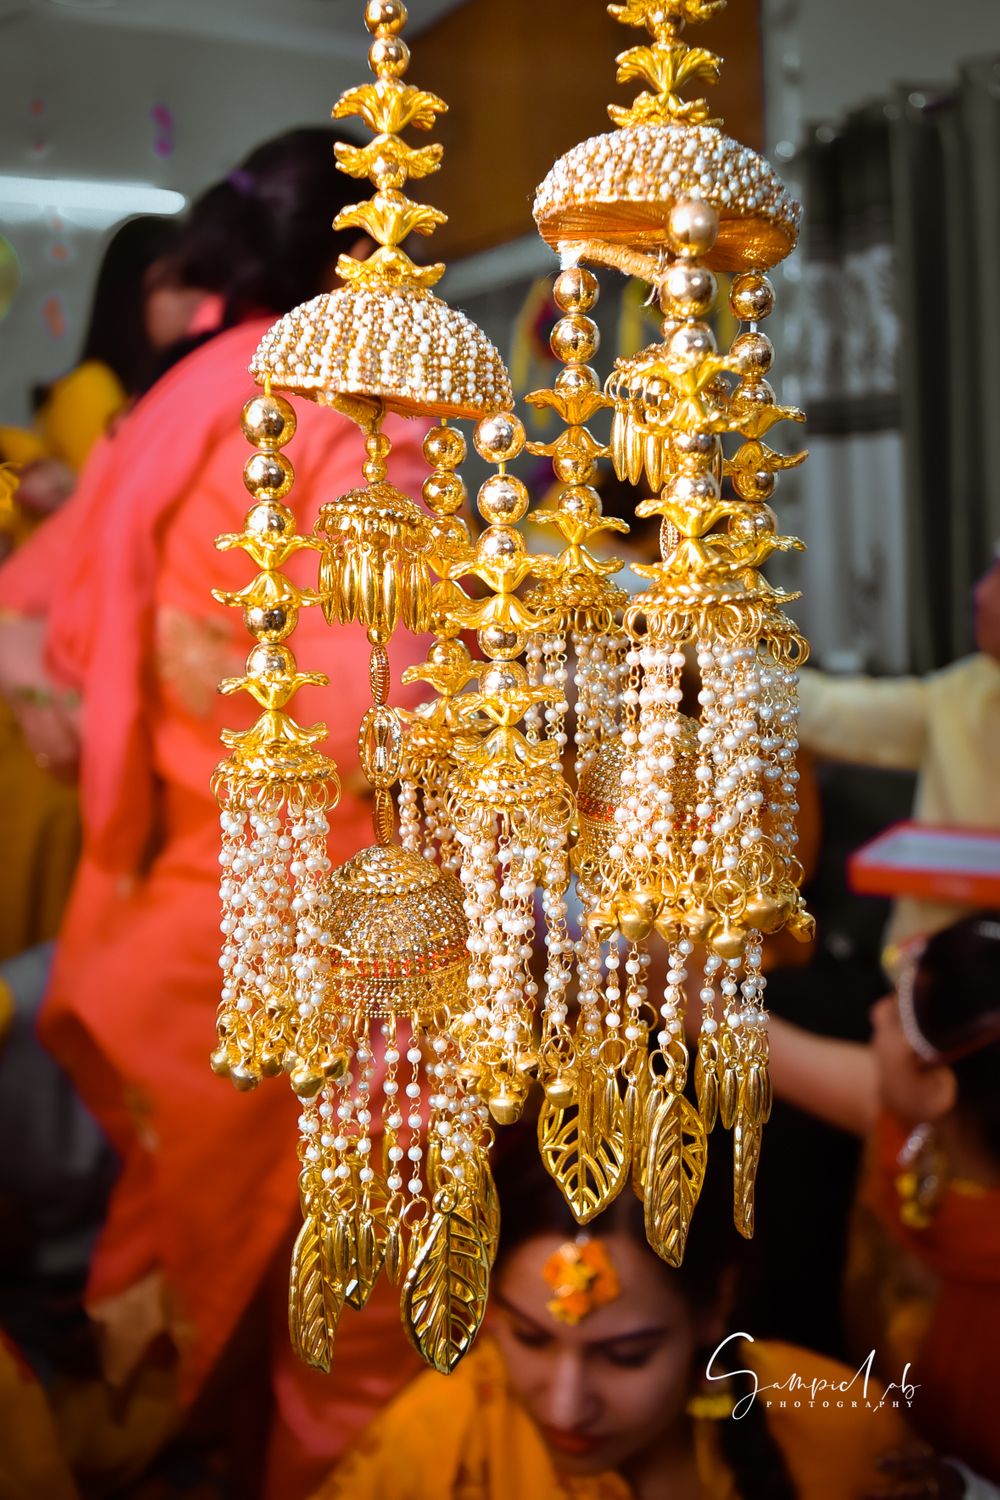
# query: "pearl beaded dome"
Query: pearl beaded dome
401,345
621,187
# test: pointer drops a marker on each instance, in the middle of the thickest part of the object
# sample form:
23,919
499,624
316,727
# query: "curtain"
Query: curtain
898,361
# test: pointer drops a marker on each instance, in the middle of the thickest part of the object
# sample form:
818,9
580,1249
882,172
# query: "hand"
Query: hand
45,485
916,1473
47,716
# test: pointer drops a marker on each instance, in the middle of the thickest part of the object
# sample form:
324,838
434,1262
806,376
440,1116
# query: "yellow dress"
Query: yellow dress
41,821
466,1437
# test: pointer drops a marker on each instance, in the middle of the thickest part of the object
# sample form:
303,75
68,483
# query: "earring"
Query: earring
922,1177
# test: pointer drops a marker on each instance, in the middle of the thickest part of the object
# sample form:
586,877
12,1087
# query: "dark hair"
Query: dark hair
956,1004
116,333
262,238
531,1204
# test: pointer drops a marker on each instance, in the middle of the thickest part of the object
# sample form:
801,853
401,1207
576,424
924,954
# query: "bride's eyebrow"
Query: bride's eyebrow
634,1336
517,1312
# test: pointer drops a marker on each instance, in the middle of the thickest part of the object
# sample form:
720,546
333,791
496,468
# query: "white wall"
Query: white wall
823,57
99,84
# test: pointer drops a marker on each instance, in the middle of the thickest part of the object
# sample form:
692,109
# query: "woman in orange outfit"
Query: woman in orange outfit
607,1375
116,606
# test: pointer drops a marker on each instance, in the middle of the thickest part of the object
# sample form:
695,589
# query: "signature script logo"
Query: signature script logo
860,1388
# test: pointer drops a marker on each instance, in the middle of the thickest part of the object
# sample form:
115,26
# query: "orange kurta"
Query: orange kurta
208,1193
466,1437
941,1305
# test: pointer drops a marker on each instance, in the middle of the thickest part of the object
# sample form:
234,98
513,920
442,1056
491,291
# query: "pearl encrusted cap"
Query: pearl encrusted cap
403,346
621,187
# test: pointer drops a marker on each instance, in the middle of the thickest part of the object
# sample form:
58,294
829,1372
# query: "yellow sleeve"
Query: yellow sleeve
870,721
20,445
78,411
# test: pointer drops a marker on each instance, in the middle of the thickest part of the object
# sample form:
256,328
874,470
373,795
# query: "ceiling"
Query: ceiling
331,26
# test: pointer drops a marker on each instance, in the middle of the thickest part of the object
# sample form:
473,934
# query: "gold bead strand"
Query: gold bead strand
275,787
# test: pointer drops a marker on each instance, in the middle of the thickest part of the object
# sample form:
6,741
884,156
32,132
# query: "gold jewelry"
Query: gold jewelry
681,830
922,1179
583,1279
710,1406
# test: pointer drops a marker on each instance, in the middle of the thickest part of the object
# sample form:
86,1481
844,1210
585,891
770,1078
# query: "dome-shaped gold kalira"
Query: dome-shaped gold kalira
621,187
398,933
598,796
374,567
402,346
601,792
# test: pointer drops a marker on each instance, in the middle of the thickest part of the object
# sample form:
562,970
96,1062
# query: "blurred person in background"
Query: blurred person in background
41,821
127,326
119,641
600,1377
945,727
923,1280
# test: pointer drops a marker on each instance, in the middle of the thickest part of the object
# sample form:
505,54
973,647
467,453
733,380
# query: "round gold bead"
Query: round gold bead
385,17
576,290
693,226
755,353
268,476
499,438
502,677
498,544
751,297
444,492
573,468
445,448
750,525
695,446
269,659
389,56
756,485
749,396
503,500
575,339
270,1063
500,644
268,422
270,624
577,380
270,518
687,291
691,343
693,489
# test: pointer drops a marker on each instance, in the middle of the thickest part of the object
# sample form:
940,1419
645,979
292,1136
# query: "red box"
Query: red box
932,862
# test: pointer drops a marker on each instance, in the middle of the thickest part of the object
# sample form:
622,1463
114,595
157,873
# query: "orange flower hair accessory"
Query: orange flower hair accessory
583,1279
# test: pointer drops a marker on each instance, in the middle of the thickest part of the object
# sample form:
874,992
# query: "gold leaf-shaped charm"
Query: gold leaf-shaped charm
637,1100
444,1294
393,1254
358,1238
746,1156
706,1081
315,1297
673,1175
585,1146
729,1095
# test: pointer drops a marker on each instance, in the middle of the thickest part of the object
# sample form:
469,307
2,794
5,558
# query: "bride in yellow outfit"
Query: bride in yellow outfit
602,1378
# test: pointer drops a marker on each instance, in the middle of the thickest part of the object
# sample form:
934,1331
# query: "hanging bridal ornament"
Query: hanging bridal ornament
680,832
